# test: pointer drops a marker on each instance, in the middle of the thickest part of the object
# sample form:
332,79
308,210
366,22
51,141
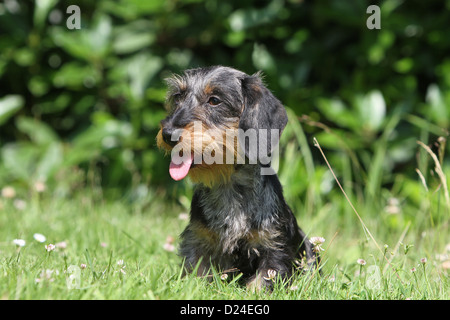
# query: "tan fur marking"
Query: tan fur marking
262,238
203,232
211,175
161,144
208,89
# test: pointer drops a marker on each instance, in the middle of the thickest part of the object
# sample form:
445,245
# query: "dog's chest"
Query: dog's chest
238,215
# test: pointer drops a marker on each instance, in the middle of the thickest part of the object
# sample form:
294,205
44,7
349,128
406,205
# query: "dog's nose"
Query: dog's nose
167,134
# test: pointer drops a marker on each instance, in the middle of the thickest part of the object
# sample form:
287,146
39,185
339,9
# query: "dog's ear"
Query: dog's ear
262,110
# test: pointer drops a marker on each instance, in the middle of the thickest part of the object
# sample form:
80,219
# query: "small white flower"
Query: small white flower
50,247
47,275
122,266
317,240
317,243
183,216
170,239
39,237
8,192
270,274
393,206
169,247
19,242
39,186
361,262
423,260
224,276
83,266
20,204
392,209
61,245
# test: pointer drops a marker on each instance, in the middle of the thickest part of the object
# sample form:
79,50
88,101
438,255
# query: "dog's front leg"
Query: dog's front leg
259,282
269,270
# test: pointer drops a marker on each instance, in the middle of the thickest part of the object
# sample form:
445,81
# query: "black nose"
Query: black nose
167,134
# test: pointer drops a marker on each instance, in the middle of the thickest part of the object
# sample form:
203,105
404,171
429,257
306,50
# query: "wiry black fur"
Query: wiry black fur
284,242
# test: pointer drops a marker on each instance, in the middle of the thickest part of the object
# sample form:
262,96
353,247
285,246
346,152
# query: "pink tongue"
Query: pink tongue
179,171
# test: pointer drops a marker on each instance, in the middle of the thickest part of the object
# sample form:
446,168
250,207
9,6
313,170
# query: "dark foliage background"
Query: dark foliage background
81,108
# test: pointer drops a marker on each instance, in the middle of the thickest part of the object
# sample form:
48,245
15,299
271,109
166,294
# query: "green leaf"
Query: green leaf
130,42
91,43
38,131
50,161
19,159
336,109
404,65
133,37
141,69
262,59
41,10
246,18
75,75
372,110
437,107
131,9
73,43
24,57
9,105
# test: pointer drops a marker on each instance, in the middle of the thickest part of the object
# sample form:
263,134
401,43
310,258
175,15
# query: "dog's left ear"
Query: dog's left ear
262,110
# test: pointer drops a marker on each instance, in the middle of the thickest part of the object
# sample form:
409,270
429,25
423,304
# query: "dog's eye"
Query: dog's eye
176,98
214,101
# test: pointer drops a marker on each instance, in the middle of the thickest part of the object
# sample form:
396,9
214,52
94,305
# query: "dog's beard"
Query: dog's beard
207,155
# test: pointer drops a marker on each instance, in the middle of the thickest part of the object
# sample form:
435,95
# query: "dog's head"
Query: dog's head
218,117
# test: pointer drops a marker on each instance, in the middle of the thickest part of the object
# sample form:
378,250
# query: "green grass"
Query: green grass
120,249
102,235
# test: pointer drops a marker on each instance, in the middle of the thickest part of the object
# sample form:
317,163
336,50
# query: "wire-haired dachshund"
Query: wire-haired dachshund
222,130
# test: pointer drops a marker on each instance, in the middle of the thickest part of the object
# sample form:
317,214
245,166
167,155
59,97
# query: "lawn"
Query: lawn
90,247
112,251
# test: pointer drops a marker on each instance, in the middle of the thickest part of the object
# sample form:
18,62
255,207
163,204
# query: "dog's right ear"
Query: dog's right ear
262,110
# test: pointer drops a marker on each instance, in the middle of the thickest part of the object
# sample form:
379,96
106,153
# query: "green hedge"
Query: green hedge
81,107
